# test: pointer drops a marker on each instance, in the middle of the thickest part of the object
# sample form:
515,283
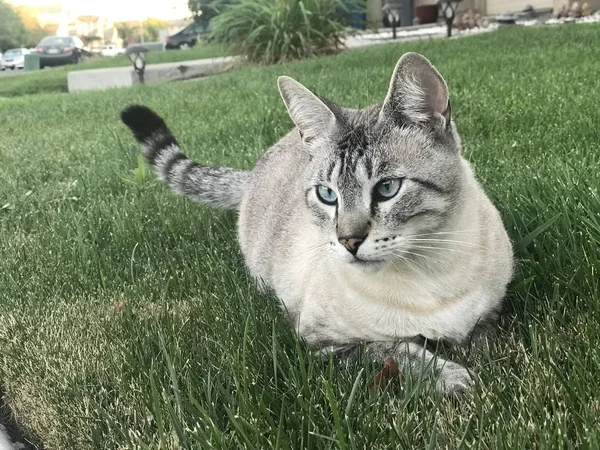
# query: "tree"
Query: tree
128,31
28,17
35,32
12,30
131,32
152,28
205,10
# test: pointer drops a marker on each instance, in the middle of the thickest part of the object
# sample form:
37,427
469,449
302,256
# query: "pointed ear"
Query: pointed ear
310,114
418,94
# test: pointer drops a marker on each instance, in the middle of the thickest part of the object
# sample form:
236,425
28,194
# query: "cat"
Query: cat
368,225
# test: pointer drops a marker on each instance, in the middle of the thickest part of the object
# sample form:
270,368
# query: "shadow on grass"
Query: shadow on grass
15,433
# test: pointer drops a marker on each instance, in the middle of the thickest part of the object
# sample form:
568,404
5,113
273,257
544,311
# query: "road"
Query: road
8,72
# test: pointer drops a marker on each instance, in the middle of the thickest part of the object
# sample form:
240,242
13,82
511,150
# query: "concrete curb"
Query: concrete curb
102,79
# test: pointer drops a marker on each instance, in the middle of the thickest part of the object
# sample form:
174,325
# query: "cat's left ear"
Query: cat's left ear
311,115
417,94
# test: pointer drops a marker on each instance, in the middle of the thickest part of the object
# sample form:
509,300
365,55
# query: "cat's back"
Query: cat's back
271,202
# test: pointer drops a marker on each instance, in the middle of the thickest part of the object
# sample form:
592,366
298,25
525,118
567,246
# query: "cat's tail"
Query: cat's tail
216,186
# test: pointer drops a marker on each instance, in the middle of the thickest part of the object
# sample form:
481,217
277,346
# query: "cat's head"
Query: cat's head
381,178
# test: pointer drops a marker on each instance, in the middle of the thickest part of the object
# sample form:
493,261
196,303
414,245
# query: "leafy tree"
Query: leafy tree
152,28
12,30
35,32
28,17
205,10
130,31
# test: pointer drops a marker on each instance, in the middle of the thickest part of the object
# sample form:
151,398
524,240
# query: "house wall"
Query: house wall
495,7
485,7
375,17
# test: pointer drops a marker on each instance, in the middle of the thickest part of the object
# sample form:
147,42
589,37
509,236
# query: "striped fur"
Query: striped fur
434,258
215,186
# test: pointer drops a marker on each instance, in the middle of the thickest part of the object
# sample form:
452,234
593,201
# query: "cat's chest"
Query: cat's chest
348,310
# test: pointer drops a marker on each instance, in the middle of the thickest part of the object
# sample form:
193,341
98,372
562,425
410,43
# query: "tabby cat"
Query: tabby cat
367,224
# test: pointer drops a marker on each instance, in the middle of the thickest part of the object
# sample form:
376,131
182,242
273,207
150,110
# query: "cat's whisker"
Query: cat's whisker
471,231
425,257
416,264
313,248
408,264
404,260
440,250
448,241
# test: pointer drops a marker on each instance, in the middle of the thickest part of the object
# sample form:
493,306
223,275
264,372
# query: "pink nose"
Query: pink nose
351,243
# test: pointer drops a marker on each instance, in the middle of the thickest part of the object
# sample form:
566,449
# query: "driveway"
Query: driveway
4,73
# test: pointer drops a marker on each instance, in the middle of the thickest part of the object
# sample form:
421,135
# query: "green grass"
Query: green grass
198,358
55,79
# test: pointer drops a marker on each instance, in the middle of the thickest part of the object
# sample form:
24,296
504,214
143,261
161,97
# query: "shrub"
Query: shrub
270,31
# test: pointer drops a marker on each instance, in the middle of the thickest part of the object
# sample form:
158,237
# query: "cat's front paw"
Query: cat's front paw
453,379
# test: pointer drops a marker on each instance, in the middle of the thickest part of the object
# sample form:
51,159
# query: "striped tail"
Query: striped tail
216,186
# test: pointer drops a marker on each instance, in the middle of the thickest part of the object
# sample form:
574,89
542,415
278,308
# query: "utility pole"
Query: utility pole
142,31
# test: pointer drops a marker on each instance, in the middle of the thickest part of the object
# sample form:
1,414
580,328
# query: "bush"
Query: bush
270,31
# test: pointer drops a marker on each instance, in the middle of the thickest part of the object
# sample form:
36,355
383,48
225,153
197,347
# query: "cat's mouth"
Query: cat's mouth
366,262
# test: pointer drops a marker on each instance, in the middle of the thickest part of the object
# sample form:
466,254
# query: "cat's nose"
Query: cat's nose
352,243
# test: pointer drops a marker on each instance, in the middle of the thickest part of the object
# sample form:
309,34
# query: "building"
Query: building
48,15
485,7
495,7
95,30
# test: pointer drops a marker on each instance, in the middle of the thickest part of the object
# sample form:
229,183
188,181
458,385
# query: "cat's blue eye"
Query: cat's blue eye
386,189
326,195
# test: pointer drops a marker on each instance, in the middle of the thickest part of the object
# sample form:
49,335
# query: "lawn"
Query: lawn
55,79
127,319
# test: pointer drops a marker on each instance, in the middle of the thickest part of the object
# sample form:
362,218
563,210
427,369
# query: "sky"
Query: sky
119,9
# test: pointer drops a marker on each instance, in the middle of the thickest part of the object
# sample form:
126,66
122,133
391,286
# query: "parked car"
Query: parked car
111,50
188,37
14,58
61,50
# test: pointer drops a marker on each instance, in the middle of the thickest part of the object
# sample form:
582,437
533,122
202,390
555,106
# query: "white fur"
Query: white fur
442,297
457,279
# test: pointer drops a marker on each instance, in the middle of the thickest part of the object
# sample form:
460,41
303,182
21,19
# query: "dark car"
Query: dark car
59,50
188,37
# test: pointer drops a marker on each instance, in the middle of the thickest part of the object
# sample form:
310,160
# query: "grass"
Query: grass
55,79
198,358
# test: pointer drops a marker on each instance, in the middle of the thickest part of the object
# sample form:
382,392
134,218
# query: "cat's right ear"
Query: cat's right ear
417,95
311,115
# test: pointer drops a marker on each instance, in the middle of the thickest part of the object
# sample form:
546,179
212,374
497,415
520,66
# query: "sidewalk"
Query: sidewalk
102,79
405,34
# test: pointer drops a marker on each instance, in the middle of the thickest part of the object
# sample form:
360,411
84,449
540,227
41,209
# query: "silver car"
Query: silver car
14,58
